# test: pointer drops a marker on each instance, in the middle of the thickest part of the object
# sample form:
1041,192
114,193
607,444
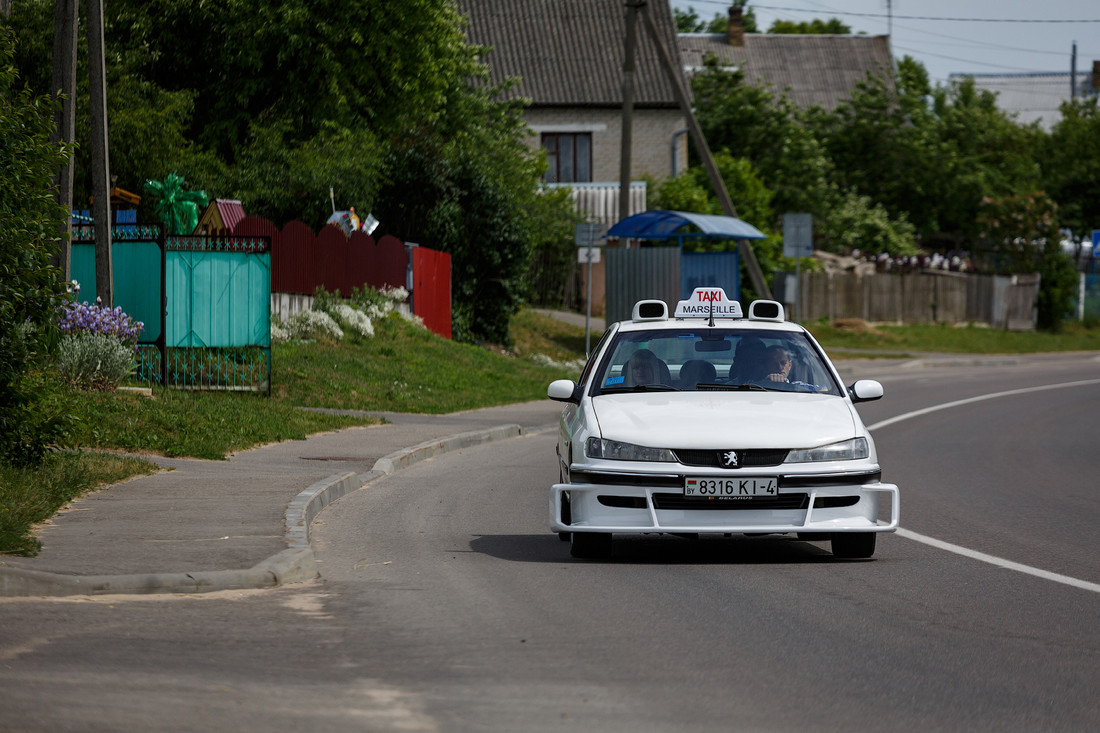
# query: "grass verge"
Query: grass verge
401,368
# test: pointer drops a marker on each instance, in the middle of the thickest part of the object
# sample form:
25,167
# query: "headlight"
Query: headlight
849,450
616,451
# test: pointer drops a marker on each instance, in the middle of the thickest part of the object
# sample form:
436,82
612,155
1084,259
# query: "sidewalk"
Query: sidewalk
240,523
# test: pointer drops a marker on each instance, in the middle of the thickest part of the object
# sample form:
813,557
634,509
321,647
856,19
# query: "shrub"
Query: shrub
84,318
95,360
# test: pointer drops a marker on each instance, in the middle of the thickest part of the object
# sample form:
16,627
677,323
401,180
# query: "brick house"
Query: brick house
568,55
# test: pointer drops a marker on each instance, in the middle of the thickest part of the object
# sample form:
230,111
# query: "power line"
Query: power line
930,17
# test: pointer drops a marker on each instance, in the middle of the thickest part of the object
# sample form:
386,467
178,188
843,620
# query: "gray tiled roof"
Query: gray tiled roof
569,53
814,69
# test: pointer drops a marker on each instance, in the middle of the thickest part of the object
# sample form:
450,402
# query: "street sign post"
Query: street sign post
587,238
798,242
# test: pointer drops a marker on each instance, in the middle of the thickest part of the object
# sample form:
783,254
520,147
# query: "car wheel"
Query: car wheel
591,545
854,544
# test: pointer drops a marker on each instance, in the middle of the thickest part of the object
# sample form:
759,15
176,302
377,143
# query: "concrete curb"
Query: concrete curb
293,565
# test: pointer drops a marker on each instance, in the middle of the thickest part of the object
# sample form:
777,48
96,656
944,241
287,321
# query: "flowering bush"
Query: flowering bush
354,319
307,324
76,318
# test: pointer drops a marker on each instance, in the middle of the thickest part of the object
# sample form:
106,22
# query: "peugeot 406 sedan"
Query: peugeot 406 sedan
708,421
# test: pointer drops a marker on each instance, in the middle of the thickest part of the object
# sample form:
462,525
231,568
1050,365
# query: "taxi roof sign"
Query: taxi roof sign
707,302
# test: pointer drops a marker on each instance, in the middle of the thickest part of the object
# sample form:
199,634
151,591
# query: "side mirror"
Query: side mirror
865,390
564,390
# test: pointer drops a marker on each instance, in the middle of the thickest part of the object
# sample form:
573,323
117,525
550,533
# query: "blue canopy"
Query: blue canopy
667,225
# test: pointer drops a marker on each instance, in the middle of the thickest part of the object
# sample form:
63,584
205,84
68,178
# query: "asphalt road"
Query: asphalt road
446,605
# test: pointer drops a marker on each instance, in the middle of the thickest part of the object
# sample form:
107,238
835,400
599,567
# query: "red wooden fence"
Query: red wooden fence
431,272
302,261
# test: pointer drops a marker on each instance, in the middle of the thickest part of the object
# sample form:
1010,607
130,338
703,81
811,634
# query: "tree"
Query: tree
1020,235
30,287
1069,165
832,26
688,21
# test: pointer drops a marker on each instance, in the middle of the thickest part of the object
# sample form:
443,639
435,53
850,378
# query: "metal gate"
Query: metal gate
665,273
205,302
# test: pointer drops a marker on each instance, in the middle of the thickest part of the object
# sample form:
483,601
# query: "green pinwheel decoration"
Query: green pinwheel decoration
178,209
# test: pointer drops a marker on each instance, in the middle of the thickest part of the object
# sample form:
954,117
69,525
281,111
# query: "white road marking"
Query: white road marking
974,554
1000,562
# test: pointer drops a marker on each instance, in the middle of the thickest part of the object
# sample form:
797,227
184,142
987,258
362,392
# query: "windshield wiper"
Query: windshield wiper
640,388
746,387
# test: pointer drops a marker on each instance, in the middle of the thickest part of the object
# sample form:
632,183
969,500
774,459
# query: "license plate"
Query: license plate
729,488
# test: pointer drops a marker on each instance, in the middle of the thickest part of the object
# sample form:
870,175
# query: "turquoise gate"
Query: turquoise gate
205,302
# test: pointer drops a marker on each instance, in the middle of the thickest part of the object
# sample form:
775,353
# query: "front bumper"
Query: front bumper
626,508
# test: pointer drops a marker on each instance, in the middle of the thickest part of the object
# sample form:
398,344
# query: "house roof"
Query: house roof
569,53
1032,97
814,69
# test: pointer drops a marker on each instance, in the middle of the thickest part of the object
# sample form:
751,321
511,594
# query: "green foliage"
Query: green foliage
1069,165
95,360
552,222
754,123
859,223
831,26
30,223
1020,235
688,21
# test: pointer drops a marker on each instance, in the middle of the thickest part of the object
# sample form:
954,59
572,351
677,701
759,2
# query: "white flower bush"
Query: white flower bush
354,319
307,324
356,315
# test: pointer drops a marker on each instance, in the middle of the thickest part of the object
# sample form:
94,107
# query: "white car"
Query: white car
694,424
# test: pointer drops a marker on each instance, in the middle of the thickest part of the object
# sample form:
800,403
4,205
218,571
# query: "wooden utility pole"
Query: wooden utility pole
628,107
65,15
675,77
101,169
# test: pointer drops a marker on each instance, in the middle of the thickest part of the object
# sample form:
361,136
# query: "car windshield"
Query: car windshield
706,359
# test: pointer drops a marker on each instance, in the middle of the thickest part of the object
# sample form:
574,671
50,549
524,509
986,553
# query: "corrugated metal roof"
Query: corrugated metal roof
569,53
1032,97
814,69
230,211
658,224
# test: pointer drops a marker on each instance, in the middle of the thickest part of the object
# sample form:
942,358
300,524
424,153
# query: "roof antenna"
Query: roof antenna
711,324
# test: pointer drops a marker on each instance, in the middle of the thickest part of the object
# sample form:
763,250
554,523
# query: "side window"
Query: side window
591,363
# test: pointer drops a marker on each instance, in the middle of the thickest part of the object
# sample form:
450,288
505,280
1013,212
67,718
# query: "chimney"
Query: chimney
736,33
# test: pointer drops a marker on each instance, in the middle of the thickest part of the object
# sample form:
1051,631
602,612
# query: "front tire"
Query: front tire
590,545
854,544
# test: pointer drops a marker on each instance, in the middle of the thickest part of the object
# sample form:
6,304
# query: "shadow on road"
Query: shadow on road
663,550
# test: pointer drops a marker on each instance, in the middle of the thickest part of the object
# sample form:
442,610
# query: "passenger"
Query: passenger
695,372
644,367
747,360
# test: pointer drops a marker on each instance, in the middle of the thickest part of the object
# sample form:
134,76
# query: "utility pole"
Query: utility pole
63,85
1073,72
628,106
101,169
675,77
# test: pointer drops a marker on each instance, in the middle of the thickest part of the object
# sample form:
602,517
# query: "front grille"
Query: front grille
783,501
756,458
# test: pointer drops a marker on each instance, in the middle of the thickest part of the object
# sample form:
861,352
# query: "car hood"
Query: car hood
721,420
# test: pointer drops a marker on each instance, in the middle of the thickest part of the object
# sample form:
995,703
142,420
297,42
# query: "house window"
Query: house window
569,155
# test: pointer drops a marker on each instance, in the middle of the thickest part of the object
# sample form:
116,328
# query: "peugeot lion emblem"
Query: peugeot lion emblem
729,459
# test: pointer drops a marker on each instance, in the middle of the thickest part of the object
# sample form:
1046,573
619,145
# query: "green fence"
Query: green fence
205,302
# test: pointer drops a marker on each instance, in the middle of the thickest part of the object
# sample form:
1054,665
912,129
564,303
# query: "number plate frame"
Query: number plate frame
723,488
